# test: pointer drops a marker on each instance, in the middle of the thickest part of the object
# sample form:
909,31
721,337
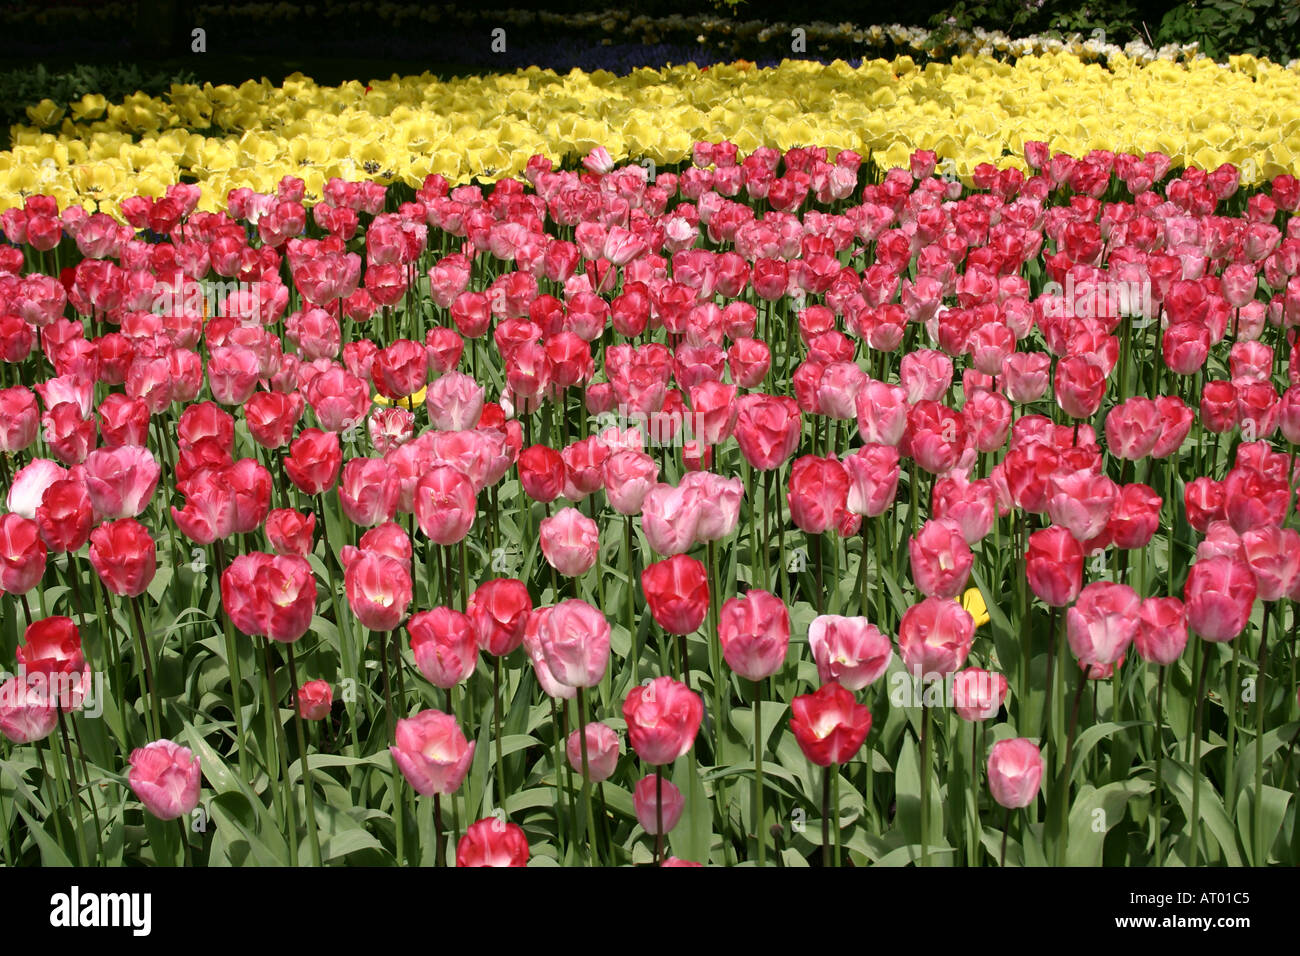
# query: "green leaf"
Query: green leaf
1092,815
693,835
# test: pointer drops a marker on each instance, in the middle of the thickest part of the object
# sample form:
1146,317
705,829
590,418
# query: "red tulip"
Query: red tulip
19,419
290,532
51,646
1080,385
1133,428
315,698
818,493
829,725
65,515
1054,566
124,556
499,610
663,718
492,842
313,461
272,417
401,369
767,429
444,646
873,474
1273,555
123,421
368,491
1135,517
677,591
936,437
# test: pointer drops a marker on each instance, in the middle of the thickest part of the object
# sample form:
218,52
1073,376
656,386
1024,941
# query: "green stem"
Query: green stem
592,853
306,766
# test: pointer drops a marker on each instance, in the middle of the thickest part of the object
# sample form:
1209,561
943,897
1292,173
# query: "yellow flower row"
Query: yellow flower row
972,110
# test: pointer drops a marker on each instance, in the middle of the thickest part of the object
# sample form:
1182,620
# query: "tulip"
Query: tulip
22,554
1054,566
1015,771
444,503
934,637
378,589
670,517
541,472
663,718
290,532
658,805
978,694
1081,502
767,429
444,645
940,558
754,631
873,475
575,642
849,651
1162,630
65,515
30,484
570,542
432,752
829,725
314,460
165,777
1102,623
492,842
499,610
315,698
602,751
26,712
51,646
1219,594
121,481
124,556
818,493
368,491
677,592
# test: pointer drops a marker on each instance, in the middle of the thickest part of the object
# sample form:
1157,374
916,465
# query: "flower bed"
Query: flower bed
766,501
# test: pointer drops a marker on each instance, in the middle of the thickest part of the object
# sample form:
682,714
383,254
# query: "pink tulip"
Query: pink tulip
754,631
164,776
432,753
849,651
1015,770
570,542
